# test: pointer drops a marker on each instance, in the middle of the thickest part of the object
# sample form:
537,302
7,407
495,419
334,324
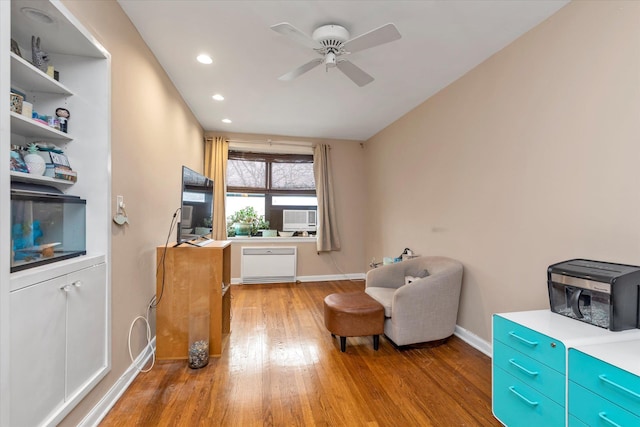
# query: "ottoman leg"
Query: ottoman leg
376,342
343,344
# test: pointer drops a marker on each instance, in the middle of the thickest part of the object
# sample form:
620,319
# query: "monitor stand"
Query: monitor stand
198,241
205,242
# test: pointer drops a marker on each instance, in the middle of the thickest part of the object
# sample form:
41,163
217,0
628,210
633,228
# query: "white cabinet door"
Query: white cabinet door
37,351
86,326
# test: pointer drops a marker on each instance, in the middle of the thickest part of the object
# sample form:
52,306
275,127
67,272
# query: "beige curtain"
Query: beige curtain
327,228
216,154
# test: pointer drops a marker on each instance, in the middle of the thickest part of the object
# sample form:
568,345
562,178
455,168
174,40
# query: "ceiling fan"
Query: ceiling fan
332,42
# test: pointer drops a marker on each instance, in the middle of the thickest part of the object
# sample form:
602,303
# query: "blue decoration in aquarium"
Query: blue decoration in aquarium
25,236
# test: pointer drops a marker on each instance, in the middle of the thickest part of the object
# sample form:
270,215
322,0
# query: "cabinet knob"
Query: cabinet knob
66,288
77,283
553,345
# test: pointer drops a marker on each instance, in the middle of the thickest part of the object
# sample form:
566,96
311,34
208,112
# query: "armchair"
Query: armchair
425,309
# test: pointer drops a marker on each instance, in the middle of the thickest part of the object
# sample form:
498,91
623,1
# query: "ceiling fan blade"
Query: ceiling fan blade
354,72
381,35
301,70
296,35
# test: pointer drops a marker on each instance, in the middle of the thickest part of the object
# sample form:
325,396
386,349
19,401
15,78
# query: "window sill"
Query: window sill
257,239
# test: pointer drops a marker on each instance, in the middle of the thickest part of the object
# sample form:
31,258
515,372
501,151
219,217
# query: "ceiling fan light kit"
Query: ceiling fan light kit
332,42
330,60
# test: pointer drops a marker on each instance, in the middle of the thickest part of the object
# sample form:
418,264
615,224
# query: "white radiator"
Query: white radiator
268,264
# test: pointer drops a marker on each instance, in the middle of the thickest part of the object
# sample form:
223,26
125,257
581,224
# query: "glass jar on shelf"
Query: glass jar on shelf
199,338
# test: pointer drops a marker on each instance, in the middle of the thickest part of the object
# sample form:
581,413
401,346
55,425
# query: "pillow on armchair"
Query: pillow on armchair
420,275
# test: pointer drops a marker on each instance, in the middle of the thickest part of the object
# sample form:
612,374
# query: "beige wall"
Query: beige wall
529,159
153,133
349,182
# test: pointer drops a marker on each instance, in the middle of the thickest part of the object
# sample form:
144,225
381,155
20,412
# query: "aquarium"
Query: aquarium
46,228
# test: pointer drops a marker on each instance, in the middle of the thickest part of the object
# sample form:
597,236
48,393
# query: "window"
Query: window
270,183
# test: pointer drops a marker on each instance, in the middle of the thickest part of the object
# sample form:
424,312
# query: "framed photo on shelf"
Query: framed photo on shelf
17,162
59,159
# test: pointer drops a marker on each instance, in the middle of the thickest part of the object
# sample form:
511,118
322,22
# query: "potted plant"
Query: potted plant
245,222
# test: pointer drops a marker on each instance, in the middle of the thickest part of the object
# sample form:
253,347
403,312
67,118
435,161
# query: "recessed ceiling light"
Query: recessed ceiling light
204,59
37,15
218,97
226,121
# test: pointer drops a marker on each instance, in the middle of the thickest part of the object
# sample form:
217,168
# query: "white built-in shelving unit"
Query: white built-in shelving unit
55,318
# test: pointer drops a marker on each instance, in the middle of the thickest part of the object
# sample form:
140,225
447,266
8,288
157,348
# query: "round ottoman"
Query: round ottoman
353,314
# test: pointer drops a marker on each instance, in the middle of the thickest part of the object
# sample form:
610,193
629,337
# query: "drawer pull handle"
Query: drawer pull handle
603,416
512,389
604,378
524,340
523,369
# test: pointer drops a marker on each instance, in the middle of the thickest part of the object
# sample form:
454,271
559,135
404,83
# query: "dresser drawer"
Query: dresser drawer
574,422
516,404
605,380
534,344
594,410
530,371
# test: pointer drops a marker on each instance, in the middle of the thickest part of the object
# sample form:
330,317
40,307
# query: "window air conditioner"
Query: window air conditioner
297,220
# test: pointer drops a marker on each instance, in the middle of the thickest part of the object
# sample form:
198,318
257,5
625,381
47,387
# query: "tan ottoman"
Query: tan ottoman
353,314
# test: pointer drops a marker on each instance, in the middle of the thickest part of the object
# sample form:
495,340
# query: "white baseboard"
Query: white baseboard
328,277
105,404
473,340
318,278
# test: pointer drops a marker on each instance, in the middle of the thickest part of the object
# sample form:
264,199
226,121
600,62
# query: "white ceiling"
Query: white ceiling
441,41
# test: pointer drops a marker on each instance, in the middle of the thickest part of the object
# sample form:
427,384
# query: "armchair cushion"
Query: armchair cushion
384,296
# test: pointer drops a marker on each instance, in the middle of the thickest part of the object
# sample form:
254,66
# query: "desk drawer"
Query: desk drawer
534,344
594,410
516,404
608,381
530,371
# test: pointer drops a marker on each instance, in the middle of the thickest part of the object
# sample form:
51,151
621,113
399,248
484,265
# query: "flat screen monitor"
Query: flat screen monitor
196,206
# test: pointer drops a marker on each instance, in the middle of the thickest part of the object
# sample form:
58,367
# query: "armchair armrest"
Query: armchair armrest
386,276
438,295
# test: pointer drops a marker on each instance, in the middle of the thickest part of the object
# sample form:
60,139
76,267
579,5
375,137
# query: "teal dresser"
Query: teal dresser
532,359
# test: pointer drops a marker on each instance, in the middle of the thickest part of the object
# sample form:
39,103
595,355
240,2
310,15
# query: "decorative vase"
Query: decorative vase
269,233
242,229
199,339
35,164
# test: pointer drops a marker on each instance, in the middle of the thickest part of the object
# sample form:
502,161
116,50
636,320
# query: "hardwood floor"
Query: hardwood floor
281,367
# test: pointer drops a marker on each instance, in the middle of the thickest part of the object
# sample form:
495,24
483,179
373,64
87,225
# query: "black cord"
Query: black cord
153,303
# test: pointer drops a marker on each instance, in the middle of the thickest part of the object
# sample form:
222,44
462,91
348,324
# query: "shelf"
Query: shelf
38,179
29,128
24,75
76,334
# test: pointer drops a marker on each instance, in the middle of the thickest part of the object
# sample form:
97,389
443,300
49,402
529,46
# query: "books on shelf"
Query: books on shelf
65,173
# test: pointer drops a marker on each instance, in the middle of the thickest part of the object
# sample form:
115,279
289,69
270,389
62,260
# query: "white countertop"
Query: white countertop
257,239
570,331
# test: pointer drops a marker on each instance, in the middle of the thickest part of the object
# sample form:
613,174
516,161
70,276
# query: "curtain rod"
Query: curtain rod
271,142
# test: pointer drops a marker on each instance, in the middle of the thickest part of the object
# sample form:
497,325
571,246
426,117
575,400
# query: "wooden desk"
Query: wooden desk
192,273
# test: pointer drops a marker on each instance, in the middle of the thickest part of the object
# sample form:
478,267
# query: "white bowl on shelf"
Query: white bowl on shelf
286,233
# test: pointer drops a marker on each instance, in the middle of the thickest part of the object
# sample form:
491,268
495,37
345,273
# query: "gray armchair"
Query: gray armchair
425,309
